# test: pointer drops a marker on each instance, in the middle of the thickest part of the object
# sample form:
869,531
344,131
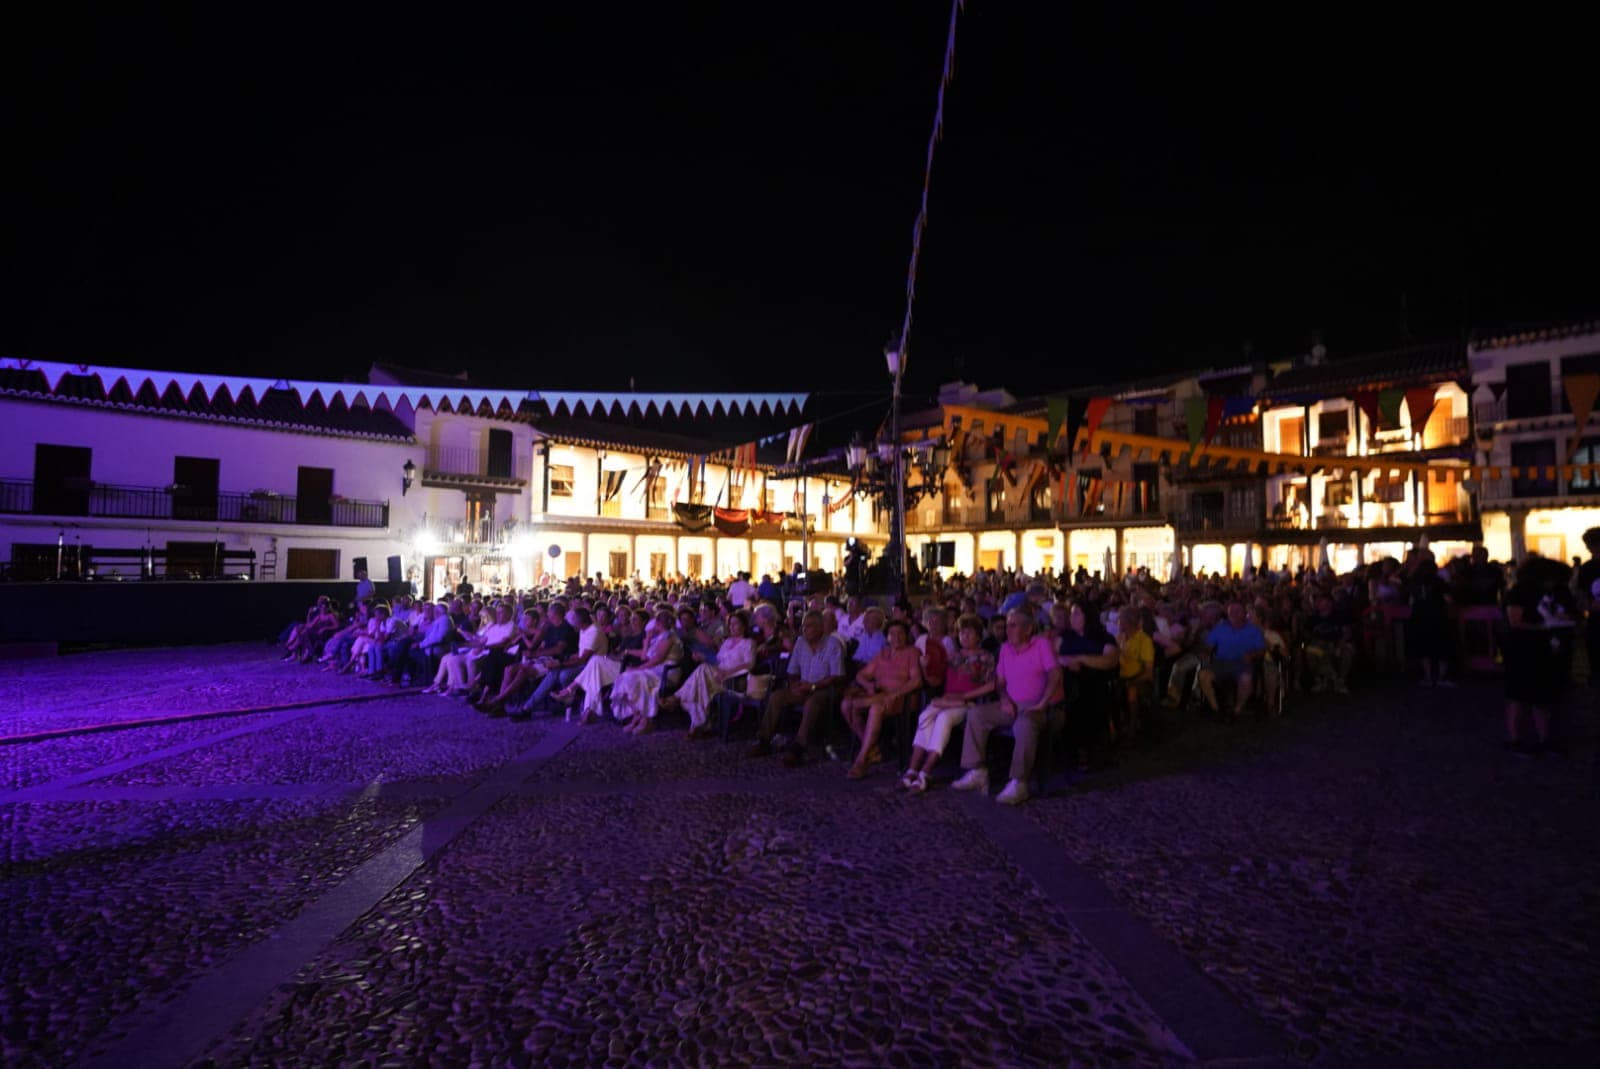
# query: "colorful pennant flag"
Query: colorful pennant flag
1582,390
1093,414
1055,411
1389,402
1420,401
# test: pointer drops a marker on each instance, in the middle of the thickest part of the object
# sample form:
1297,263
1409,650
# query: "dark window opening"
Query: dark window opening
194,488
61,481
1538,456
313,495
500,454
1528,390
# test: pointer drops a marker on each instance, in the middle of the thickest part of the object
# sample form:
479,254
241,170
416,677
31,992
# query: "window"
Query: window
619,565
561,480
1337,492
499,454
1144,420
658,565
1147,488
312,564
658,498
696,563
1390,489
1528,390
1538,455
1588,453
1334,425
1291,434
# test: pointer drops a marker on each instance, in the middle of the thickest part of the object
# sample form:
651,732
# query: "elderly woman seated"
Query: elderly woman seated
880,691
734,657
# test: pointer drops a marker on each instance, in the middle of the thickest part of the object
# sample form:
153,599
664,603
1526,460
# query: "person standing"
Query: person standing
1541,620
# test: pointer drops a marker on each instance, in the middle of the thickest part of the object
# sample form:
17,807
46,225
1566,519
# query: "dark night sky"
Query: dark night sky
725,199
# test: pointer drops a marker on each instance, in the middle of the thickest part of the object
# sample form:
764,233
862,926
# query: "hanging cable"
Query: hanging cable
903,342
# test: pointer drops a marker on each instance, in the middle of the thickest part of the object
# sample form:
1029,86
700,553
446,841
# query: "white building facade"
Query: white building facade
1523,390
117,473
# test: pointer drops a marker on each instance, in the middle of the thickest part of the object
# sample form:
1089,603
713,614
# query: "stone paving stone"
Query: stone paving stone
603,753
717,929
420,739
34,763
1377,879
47,693
114,906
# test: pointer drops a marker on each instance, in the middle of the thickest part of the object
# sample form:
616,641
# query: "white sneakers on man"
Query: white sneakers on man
1016,793
976,779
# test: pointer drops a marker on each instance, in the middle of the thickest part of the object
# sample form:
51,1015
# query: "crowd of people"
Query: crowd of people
1094,664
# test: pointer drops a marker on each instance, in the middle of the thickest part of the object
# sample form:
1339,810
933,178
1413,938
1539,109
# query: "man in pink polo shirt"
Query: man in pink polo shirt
1029,682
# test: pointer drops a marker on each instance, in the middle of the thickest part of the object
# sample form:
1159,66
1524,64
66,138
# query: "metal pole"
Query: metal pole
805,533
897,518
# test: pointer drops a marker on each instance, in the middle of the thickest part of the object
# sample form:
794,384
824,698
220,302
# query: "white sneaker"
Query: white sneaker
976,779
1016,793
920,784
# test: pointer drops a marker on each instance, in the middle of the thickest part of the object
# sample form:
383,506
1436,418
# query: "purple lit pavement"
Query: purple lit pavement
402,881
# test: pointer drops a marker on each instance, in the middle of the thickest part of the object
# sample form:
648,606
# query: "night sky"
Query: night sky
724,198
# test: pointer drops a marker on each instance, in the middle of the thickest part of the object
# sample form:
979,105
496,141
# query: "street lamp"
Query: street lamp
408,476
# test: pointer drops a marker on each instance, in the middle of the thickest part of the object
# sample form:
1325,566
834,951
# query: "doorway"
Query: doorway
480,517
61,480
313,495
194,488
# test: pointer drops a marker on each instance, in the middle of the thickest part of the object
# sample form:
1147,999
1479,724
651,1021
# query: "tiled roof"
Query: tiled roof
1414,366
1504,339
278,409
630,436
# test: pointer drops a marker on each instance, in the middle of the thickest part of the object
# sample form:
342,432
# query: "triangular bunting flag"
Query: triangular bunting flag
1096,411
1581,393
1389,402
1419,403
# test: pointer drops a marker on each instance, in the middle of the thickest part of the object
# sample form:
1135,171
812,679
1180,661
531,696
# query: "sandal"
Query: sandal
920,784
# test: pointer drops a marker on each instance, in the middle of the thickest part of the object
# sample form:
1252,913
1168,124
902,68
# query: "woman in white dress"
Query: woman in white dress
633,694
736,654
598,673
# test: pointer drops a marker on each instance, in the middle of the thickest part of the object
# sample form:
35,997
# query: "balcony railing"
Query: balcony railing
168,503
1506,489
463,462
1205,519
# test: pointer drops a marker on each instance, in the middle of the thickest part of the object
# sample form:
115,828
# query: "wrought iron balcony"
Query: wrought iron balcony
18,496
457,466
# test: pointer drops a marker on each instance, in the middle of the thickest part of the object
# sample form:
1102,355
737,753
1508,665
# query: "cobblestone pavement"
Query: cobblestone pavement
406,881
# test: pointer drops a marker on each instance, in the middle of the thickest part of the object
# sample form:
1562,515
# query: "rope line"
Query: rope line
903,343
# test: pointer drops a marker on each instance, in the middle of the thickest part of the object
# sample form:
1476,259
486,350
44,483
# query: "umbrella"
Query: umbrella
1323,560
1108,564
1249,570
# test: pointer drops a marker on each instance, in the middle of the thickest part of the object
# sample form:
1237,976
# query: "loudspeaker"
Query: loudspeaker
394,570
358,566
